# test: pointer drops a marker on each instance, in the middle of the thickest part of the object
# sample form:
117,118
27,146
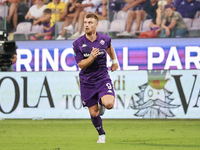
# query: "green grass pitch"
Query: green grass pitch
81,135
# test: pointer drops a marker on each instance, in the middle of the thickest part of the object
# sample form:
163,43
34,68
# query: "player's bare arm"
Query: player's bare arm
111,53
87,62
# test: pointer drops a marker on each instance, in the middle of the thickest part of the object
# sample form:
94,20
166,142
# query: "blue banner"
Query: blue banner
132,54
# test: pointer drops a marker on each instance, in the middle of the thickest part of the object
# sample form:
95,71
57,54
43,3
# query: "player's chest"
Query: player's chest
86,48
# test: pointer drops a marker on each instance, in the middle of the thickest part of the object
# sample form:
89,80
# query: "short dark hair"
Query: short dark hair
47,11
168,6
92,15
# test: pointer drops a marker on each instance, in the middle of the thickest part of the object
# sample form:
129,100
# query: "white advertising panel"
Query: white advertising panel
139,94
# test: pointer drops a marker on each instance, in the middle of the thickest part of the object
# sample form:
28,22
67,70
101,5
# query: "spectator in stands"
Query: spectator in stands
12,14
149,10
162,3
127,5
133,14
86,6
159,13
35,11
102,11
187,8
171,2
56,7
17,11
48,26
173,24
70,14
155,24
143,10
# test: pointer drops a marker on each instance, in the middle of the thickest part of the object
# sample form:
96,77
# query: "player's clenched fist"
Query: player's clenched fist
95,52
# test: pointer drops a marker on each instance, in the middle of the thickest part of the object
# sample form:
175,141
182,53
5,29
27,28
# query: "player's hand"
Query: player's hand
114,67
95,52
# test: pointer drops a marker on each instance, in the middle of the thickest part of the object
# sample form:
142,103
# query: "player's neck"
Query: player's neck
92,37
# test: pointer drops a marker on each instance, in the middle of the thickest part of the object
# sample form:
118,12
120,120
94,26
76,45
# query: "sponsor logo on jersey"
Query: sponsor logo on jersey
86,55
84,45
102,51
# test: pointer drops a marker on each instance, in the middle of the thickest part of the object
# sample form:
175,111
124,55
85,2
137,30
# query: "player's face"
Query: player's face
90,25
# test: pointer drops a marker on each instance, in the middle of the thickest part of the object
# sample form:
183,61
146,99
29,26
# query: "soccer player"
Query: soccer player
90,52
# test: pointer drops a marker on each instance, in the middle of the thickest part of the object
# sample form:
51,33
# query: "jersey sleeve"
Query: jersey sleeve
77,53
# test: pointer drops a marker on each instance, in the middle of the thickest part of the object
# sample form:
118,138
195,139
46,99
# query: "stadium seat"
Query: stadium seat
22,30
3,13
134,25
114,16
35,29
145,25
194,31
59,29
59,26
188,22
103,26
117,26
76,28
197,15
121,15
196,24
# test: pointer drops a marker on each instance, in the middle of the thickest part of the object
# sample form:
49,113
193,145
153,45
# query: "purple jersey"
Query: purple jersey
49,27
97,71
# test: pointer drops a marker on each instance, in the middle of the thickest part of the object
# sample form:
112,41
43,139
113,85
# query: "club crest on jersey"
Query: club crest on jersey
102,42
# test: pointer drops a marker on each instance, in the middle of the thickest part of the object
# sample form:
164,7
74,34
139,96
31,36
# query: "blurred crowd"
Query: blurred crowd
63,19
